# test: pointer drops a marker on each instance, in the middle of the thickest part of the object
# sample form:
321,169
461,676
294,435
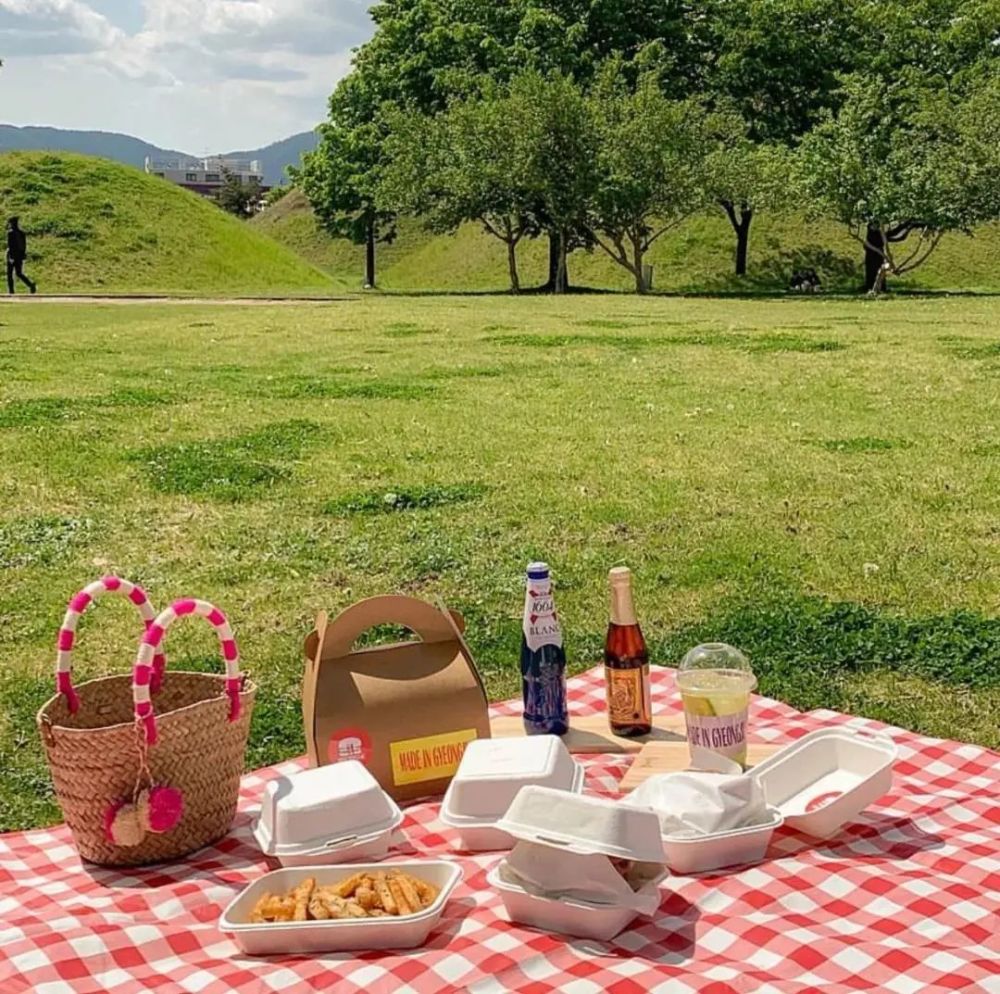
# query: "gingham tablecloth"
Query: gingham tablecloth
905,900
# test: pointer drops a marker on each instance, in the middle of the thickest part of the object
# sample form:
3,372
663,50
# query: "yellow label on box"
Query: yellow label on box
429,758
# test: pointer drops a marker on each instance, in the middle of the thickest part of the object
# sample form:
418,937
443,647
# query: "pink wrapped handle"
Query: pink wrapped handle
149,647
79,603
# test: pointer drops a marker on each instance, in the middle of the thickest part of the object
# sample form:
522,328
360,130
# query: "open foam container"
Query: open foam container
332,814
336,935
583,866
828,777
491,773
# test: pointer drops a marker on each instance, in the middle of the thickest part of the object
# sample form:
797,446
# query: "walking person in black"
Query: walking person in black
17,251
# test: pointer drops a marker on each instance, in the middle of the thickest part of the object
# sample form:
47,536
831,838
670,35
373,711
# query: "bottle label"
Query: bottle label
726,734
541,624
628,695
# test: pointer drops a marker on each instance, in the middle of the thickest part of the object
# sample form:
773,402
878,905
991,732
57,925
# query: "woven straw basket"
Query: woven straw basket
111,738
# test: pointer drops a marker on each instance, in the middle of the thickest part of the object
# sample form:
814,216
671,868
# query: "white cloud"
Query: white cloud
54,27
231,72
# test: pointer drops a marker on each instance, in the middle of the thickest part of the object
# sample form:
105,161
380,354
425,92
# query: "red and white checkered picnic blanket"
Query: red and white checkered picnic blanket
905,900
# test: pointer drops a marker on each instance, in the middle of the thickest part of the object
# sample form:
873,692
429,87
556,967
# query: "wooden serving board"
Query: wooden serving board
591,734
673,757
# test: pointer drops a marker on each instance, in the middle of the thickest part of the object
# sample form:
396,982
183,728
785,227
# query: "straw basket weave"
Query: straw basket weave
105,743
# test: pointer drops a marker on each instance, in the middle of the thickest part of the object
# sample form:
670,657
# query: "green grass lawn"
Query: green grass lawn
96,226
814,480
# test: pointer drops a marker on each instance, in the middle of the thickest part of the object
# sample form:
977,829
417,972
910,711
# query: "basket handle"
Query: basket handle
79,603
142,674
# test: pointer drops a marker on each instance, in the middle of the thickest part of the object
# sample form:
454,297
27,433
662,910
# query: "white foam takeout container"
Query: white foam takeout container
560,876
689,853
336,935
332,814
583,919
827,777
491,773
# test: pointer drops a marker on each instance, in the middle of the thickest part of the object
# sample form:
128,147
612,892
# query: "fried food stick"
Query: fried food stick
408,891
399,897
301,896
385,896
347,887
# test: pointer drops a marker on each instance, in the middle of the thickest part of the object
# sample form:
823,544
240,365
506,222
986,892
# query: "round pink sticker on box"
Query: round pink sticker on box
349,743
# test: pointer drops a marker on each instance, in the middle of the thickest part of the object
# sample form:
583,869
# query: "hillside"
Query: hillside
274,158
694,258
96,226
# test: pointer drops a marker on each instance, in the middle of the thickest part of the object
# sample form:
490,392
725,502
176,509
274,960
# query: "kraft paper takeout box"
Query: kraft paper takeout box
405,710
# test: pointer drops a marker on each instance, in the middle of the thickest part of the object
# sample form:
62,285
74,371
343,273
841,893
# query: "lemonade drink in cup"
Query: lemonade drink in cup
715,681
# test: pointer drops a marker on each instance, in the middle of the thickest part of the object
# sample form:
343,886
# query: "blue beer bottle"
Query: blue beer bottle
543,659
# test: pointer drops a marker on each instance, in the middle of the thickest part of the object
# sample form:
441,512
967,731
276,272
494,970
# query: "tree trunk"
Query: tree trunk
741,225
515,282
370,256
549,286
874,260
637,255
561,282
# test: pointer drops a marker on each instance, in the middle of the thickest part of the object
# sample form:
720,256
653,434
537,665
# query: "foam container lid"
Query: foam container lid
584,825
492,771
328,805
822,767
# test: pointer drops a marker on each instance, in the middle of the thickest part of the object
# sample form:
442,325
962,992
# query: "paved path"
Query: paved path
29,300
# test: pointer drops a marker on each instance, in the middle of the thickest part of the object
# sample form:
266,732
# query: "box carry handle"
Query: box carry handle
150,645
79,603
421,618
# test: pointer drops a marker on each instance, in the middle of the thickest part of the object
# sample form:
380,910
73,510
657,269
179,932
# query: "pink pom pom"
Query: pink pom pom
164,809
110,813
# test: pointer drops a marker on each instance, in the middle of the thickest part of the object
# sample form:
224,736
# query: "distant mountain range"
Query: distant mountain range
274,158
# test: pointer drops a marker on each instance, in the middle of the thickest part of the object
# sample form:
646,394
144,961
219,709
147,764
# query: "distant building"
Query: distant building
205,176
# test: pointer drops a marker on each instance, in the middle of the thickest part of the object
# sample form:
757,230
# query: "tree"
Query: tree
429,52
899,167
651,154
237,197
561,170
745,177
951,45
776,65
341,175
469,163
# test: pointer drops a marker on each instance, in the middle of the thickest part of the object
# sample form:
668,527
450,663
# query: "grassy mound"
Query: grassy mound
694,258
98,226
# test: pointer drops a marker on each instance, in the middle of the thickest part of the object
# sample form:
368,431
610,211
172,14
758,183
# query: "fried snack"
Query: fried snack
354,910
403,906
318,910
301,896
427,893
385,897
273,909
408,891
383,894
347,887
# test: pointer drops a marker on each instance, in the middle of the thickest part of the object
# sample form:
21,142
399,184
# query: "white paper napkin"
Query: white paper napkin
693,804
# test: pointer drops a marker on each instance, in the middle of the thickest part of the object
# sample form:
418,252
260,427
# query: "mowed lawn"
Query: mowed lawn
816,481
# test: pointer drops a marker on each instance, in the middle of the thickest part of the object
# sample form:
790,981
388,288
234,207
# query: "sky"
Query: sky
198,76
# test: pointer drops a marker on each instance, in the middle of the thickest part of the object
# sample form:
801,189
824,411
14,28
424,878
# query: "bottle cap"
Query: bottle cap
538,571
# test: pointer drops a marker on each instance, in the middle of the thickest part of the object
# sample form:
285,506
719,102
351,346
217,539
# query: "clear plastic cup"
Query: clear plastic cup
715,681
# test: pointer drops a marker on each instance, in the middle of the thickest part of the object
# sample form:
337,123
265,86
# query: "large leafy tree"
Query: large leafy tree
428,52
651,167
900,165
949,44
469,163
341,175
776,65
